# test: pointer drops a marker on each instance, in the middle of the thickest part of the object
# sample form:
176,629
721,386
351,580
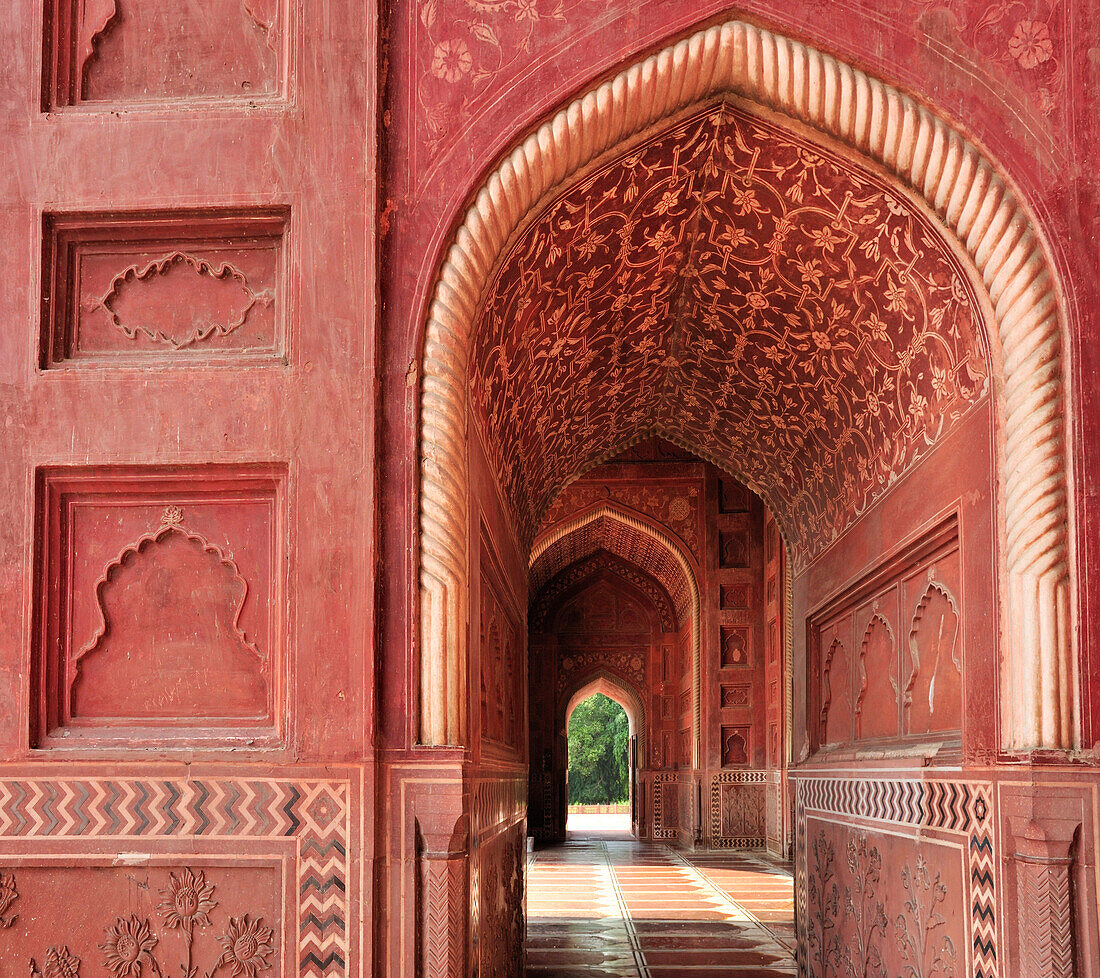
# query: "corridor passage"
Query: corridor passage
603,907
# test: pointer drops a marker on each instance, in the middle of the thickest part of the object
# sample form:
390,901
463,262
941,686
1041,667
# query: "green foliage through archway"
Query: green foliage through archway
599,735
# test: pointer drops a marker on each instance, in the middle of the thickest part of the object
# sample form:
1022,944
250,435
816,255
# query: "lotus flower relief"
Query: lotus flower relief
247,944
188,900
129,947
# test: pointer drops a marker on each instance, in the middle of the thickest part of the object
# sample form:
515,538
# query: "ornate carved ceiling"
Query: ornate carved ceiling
632,547
729,286
562,585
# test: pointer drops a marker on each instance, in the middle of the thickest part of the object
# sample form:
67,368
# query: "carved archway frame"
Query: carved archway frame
639,525
940,168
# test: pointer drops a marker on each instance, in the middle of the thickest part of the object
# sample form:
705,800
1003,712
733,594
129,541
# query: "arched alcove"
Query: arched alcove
933,174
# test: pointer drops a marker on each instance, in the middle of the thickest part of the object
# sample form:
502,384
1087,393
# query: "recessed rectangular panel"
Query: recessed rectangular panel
889,649
736,650
161,606
127,52
736,749
736,695
168,913
180,288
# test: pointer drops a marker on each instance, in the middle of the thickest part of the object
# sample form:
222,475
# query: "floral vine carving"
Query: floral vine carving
130,945
823,897
929,954
187,902
730,287
869,914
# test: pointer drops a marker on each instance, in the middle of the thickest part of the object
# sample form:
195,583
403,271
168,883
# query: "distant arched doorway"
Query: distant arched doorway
596,625
618,754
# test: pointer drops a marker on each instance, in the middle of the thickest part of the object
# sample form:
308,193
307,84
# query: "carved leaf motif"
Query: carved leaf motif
8,895
180,300
483,32
60,963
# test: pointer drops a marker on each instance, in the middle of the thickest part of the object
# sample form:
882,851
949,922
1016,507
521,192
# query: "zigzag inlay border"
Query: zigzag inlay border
313,812
961,807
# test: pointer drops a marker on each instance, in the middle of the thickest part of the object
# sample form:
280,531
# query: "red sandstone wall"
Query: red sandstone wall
188,246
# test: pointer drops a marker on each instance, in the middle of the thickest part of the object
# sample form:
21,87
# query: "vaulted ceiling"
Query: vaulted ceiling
634,550
775,307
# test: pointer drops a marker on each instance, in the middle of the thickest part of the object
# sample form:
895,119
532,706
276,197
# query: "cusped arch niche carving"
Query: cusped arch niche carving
941,169
169,645
932,697
876,709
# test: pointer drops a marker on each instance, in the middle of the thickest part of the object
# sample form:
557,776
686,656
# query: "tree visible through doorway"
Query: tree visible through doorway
599,733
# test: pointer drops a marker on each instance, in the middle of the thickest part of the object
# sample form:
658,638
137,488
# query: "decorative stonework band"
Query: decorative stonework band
941,168
961,807
314,813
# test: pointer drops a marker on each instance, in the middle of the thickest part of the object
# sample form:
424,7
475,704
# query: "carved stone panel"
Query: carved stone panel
734,596
190,870
742,811
155,916
502,674
736,695
933,665
889,649
736,749
124,51
877,702
165,289
733,548
161,609
836,692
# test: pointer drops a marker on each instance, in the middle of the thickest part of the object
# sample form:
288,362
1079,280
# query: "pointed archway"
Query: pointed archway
938,171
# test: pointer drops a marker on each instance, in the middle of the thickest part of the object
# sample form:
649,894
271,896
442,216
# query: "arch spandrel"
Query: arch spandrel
941,170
